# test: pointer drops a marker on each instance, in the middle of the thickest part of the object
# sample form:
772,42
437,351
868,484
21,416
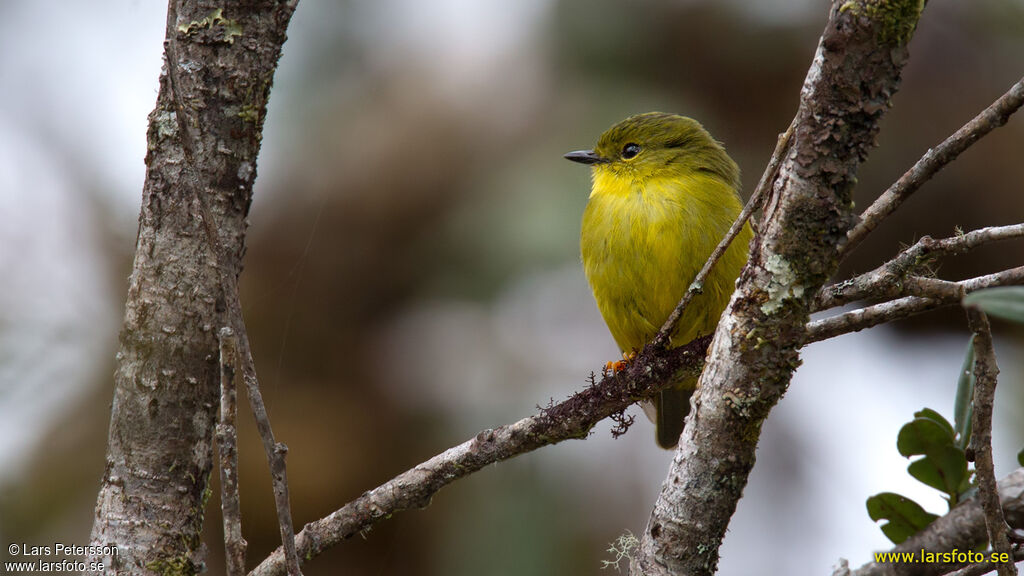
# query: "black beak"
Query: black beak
585,157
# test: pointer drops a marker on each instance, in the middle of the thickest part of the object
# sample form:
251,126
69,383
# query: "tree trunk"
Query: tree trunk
203,139
755,350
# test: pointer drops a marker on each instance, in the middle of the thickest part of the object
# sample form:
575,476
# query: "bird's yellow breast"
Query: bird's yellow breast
643,242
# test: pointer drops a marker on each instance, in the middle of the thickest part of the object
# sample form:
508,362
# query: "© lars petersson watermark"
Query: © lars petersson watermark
56,557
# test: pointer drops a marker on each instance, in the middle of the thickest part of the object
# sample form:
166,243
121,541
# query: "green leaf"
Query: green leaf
1005,302
943,470
938,418
924,435
963,407
1020,457
905,517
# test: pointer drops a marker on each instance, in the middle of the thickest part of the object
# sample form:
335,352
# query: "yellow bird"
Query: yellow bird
664,195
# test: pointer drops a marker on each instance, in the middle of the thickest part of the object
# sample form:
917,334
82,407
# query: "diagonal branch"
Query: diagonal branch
574,418
934,160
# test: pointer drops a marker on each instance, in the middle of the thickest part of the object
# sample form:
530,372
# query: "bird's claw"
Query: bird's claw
616,366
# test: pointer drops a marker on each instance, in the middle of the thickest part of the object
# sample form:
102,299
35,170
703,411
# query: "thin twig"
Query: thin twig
756,199
887,281
934,160
275,451
228,279
905,307
985,372
227,446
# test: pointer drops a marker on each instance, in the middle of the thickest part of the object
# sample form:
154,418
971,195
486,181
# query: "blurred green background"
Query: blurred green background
412,271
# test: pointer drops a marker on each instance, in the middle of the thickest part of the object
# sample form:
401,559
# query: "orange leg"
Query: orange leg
615,367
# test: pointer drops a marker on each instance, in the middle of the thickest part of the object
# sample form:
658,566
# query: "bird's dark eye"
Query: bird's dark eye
630,150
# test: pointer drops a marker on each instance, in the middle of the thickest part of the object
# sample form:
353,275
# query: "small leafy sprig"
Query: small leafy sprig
944,448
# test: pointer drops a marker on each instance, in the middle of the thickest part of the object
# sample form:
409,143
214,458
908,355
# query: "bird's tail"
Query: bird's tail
671,408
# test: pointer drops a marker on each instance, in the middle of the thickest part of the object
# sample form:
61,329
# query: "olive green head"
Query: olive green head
657,144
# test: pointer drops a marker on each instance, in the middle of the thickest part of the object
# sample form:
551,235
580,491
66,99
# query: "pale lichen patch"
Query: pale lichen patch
782,284
231,28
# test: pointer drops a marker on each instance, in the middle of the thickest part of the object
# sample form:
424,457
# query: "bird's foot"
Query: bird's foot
616,366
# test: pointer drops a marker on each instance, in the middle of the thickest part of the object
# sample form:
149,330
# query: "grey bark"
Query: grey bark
203,139
755,349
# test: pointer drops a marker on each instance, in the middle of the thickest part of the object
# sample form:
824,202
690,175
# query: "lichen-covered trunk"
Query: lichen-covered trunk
756,347
203,139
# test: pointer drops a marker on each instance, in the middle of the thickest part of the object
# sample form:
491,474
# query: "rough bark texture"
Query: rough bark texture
203,138
755,349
